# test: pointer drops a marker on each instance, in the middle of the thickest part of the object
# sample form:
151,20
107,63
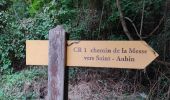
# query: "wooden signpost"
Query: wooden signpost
58,53
56,64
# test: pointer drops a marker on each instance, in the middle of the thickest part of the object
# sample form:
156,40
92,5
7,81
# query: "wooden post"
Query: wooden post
56,63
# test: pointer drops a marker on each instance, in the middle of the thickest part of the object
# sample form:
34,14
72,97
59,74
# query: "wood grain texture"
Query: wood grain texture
56,64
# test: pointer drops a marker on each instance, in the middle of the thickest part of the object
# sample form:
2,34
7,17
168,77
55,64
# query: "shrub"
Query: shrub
16,30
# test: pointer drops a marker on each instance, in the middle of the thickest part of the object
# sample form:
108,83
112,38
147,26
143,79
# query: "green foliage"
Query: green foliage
72,73
36,5
18,86
16,30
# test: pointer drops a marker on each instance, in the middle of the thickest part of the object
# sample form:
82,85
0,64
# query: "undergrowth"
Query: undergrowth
23,85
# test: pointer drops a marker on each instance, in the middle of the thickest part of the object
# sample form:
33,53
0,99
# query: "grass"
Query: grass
21,85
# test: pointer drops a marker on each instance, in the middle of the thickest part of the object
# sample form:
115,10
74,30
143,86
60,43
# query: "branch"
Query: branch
101,16
128,34
157,27
141,25
162,19
123,21
134,27
162,62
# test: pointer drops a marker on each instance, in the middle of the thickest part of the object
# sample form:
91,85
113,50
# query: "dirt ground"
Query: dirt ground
95,85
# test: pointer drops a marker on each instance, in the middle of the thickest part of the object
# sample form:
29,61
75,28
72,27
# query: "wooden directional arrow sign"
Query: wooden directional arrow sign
113,54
